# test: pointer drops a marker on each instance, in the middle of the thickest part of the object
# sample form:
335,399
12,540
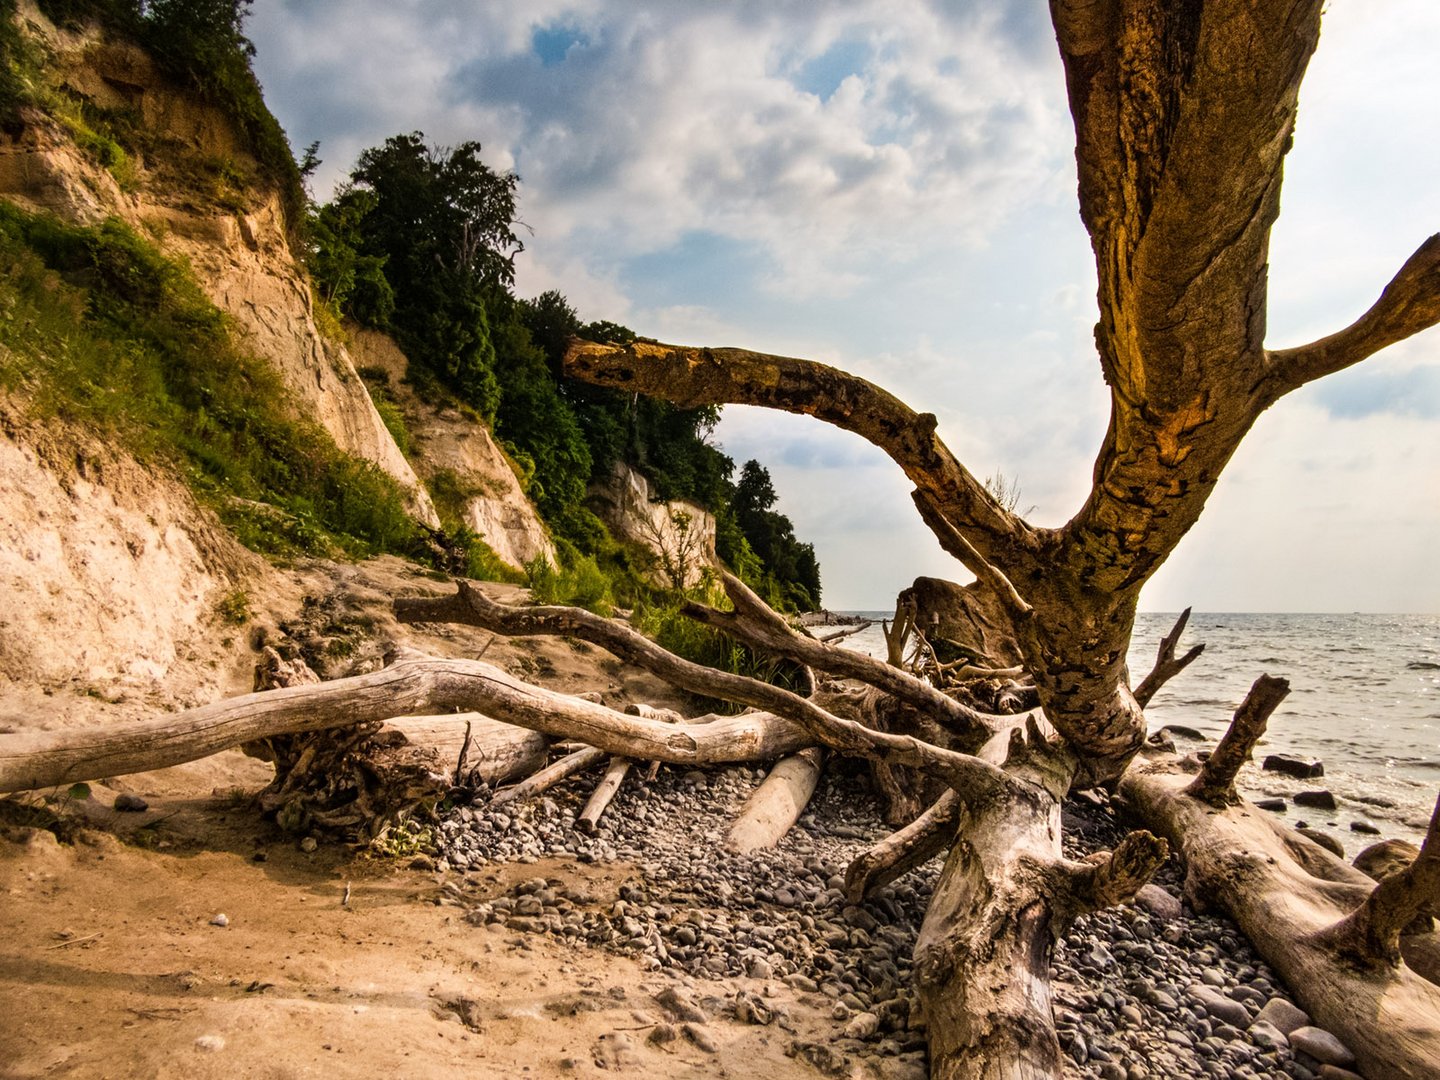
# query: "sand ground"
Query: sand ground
111,966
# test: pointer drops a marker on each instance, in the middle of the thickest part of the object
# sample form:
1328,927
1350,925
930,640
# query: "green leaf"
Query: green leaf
79,791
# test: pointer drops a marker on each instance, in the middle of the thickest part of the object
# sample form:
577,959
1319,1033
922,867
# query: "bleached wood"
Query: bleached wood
50,758
775,806
496,752
605,791
576,761
1286,894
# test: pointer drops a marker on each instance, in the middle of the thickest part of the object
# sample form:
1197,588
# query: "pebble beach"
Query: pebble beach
1146,990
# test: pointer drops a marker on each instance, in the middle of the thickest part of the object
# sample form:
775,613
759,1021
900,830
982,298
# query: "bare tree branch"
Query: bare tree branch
471,606
953,541
1408,305
916,844
1216,782
410,687
693,376
1371,933
754,623
1166,666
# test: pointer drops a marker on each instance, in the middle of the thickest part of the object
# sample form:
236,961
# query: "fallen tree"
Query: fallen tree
1183,115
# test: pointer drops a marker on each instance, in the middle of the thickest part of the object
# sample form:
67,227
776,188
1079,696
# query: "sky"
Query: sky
889,186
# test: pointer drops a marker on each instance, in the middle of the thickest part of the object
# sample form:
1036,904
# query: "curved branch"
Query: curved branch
470,606
1409,304
754,623
694,376
410,687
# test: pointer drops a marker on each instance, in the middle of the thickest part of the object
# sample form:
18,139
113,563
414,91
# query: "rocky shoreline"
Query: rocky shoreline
1147,990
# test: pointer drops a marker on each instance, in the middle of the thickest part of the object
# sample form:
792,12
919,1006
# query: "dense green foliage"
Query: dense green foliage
421,242
790,566
99,328
198,43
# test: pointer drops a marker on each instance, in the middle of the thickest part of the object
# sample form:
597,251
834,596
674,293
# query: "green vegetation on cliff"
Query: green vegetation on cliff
98,328
421,242
199,44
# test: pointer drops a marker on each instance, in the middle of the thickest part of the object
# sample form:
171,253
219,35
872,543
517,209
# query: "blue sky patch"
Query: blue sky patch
552,43
702,268
823,75
1368,391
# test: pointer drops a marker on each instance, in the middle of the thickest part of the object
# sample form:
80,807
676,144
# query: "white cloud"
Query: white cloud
887,185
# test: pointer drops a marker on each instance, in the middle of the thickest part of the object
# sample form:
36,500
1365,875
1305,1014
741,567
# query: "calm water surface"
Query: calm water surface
1364,700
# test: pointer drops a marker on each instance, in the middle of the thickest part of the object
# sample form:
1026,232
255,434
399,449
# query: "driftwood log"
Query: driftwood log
1293,900
777,803
605,791
34,760
577,761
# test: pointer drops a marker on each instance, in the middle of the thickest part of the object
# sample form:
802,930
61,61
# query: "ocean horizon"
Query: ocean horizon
1364,701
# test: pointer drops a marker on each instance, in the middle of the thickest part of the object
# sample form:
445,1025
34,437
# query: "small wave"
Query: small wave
1422,665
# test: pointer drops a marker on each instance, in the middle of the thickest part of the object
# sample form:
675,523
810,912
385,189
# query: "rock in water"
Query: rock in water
1320,799
1292,766
1387,857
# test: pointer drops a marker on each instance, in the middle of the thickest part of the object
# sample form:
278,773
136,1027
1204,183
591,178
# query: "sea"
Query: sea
1364,701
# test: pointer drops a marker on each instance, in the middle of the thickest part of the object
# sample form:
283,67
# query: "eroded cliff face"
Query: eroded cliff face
680,535
113,579
233,236
444,440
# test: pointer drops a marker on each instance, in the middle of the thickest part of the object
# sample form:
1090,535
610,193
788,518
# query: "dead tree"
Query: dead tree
1183,116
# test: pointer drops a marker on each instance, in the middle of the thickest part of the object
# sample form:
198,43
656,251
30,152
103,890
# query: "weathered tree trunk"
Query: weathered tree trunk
1288,895
982,957
777,803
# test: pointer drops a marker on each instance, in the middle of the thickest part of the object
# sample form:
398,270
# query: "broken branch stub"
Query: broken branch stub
1371,933
1166,665
1216,782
